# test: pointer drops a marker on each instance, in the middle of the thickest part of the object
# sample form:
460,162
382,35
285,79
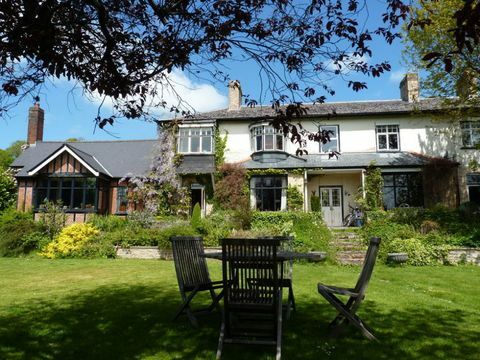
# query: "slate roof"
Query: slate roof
197,164
353,108
117,158
344,161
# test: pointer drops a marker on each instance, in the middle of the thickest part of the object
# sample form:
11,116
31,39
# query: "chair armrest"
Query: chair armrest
337,290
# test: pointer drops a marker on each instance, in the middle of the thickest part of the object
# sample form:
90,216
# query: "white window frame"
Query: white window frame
336,137
203,134
473,130
262,130
387,133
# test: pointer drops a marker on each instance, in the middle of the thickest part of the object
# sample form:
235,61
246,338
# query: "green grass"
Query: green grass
122,309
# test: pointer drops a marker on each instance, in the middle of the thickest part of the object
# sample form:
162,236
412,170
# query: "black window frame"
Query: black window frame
73,187
387,133
255,190
410,192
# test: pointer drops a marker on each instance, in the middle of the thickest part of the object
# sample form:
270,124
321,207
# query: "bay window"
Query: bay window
269,192
402,189
265,137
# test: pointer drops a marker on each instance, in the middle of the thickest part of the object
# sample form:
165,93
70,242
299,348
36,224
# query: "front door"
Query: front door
331,205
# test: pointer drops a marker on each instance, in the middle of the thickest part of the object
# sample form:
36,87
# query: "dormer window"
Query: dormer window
265,137
195,140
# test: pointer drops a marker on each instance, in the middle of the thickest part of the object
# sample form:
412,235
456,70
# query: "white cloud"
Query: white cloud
396,76
195,96
346,65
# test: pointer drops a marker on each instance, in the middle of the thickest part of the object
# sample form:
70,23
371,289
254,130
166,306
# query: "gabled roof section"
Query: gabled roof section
87,160
116,158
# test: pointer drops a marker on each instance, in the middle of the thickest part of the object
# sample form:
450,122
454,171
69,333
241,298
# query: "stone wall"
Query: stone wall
143,252
464,255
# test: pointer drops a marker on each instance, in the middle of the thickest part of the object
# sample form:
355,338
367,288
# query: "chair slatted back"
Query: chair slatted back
250,272
190,266
367,269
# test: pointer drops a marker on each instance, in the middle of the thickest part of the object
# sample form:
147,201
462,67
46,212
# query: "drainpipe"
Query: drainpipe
363,184
305,191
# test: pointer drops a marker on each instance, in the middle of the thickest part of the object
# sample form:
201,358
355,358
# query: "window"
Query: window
333,144
388,138
402,189
269,192
195,140
266,138
473,183
122,201
470,134
74,193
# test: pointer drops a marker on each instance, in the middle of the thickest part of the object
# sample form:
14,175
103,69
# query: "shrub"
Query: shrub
52,217
314,202
8,189
411,216
71,241
429,226
419,252
308,229
294,199
196,216
143,219
134,236
216,226
231,191
108,222
15,230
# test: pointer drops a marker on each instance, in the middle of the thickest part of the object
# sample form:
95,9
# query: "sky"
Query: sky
68,113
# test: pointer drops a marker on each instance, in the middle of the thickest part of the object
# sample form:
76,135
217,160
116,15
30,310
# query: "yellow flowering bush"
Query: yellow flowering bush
70,241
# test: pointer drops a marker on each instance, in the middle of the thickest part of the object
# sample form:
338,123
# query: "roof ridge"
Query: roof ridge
95,141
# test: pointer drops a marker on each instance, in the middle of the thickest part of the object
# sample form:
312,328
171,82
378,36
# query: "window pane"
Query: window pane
258,198
54,194
381,129
330,146
90,199
279,142
268,200
183,145
325,197
40,197
67,183
382,142
392,128
389,198
401,194
78,199
335,197
91,182
388,180
278,199
393,141
268,142
43,183
194,144
401,179
79,182
206,144
259,143
54,183
67,197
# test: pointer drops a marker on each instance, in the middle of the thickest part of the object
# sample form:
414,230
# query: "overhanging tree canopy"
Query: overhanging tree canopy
125,49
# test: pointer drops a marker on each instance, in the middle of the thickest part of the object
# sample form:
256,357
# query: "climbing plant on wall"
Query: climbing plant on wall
373,189
161,191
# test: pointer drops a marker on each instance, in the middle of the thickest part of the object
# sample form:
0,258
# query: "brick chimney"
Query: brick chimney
234,95
409,88
35,124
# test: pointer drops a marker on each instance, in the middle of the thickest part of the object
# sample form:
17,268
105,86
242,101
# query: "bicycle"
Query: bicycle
351,217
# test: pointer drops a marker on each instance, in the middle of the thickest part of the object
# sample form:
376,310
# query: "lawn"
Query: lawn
122,309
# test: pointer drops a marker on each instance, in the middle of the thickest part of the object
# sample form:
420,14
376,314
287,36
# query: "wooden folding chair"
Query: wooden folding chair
193,276
253,293
347,311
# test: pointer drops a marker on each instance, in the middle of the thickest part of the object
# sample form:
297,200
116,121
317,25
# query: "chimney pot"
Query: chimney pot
35,124
234,95
409,88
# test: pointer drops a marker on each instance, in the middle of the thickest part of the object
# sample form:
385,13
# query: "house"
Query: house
86,176
423,161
